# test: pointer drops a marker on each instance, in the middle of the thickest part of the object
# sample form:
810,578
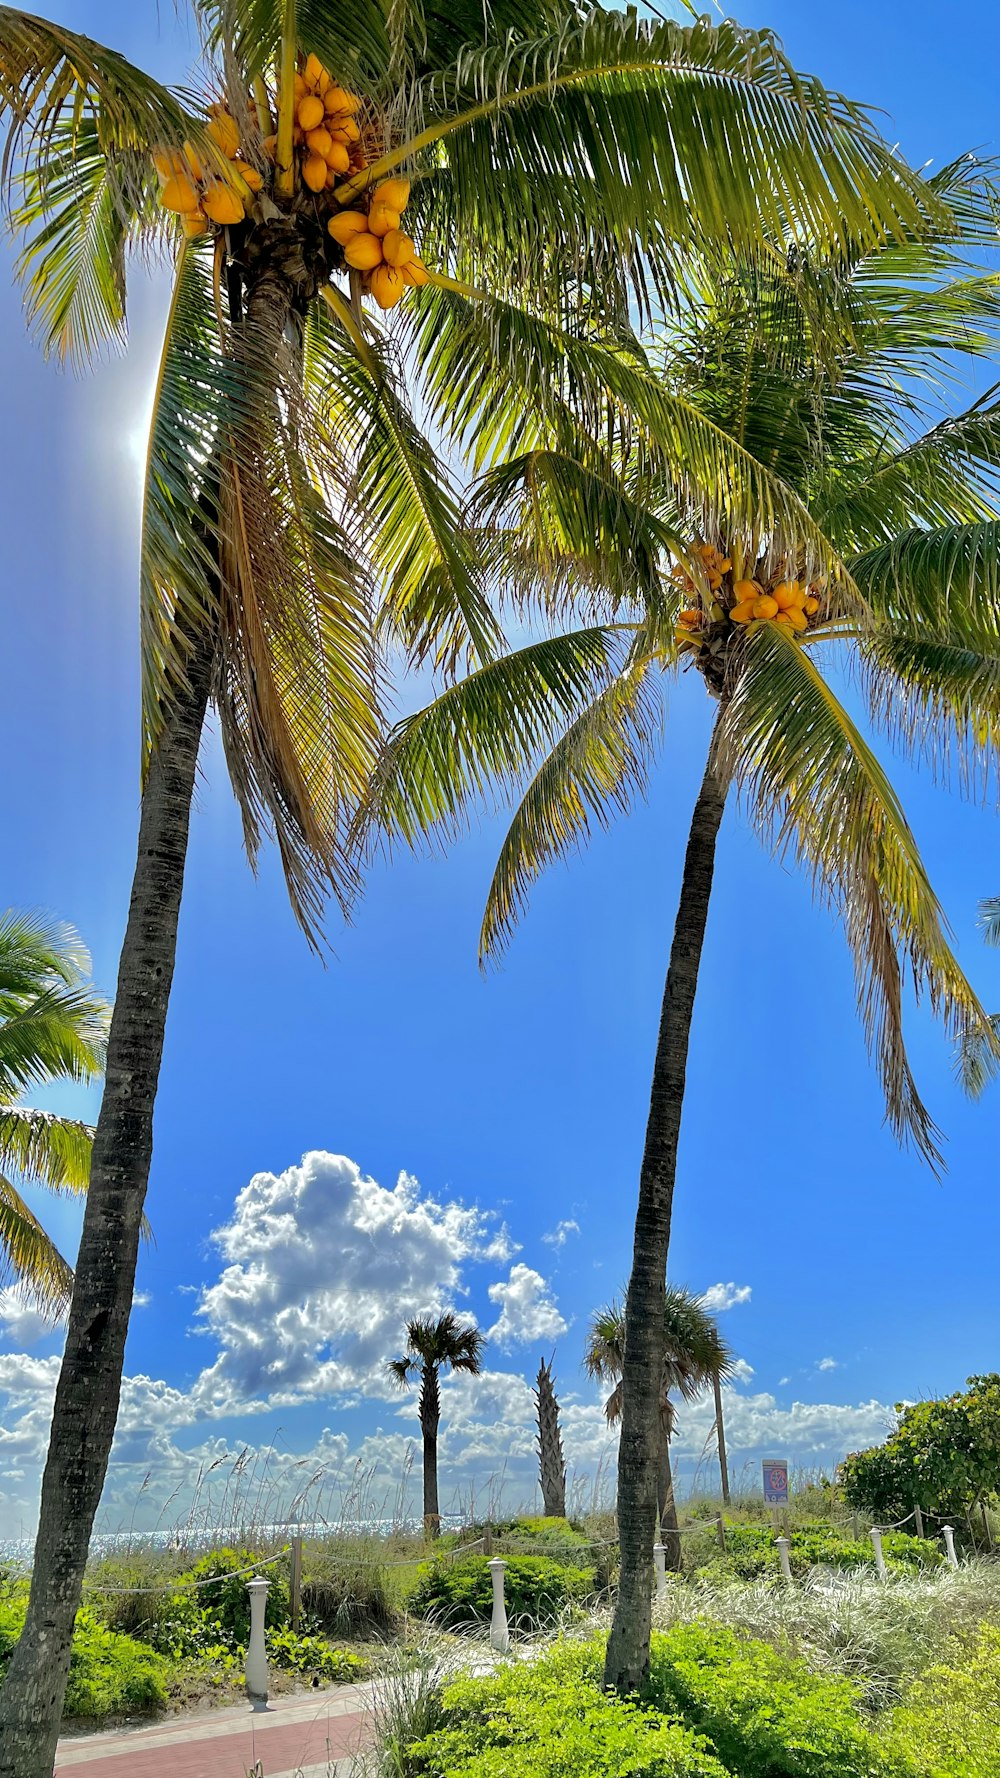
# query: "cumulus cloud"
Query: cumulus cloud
559,1236
323,1267
827,1364
20,1322
528,1310
725,1296
741,1371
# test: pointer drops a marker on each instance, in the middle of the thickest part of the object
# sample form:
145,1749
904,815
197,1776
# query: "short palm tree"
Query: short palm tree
564,164
787,433
53,1027
432,1347
695,1356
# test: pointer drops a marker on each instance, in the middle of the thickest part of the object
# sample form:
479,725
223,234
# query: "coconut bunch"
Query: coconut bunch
376,245
201,194
792,604
327,135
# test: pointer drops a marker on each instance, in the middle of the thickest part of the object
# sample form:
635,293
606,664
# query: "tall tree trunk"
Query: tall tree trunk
551,1462
666,1505
627,1661
86,1403
720,1429
430,1420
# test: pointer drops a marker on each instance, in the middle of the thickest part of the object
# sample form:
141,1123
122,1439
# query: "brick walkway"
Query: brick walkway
305,1736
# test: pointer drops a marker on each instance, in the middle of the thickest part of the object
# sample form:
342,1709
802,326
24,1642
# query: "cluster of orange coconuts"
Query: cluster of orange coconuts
788,603
330,145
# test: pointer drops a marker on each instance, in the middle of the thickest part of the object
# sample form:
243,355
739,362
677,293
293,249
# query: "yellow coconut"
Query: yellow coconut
248,174
397,248
314,70
363,252
765,606
179,194
414,271
337,98
338,158
394,193
319,141
382,220
310,112
346,224
743,612
222,204
386,286
314,170
225,134
194,224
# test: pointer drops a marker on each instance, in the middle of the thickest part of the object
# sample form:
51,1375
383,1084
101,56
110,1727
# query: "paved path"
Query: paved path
309,1735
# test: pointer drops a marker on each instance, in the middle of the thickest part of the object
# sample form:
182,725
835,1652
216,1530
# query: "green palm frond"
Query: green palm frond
58,1033
989,919
719,138
694,1352
594,773
407,510
444,1341
948,476
350,37
485,731
814,785
51,77
29,1257
49,1150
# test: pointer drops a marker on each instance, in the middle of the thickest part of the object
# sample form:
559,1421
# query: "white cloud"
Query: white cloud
559,1236
827,1364
20,1322
528,1310
324,1267
141,1299
782,1381
725,1296
741,1371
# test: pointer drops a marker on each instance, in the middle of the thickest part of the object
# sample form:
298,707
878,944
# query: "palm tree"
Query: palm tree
52,1027
695,1356
790,431
433,1346
565,163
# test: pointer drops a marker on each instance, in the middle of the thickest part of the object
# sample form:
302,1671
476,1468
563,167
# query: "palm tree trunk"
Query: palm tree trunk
86,1403
666,1505
430,1419
627,1661
720,1428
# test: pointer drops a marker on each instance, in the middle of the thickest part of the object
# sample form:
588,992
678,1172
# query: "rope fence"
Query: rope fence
187,1586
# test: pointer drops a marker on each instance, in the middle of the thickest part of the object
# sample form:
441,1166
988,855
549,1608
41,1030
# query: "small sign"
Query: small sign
775,1482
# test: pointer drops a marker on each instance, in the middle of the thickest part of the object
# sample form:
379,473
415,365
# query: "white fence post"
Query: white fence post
784,1545
876,1537
947,1532
257,1675
660,1558
499,1633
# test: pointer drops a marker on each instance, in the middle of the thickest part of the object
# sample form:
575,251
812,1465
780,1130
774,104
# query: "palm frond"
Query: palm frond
46,1149
29,1257
592,774
813,783
989,920
948,476
350,37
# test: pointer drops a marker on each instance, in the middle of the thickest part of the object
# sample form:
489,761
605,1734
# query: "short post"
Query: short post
721,1533
784,1545
257,1676
660,1558
487,1540
499,1633
876,1537
918,1520
948,1533
295,1584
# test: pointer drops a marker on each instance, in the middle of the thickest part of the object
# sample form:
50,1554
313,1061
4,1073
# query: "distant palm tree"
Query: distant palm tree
695,1356
430,1347
52,1027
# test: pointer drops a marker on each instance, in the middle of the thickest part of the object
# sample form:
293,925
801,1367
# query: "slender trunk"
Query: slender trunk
666,1504
430,1420
86,1403
720,1428
627,1662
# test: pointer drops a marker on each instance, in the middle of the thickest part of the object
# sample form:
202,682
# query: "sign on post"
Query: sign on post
775,1482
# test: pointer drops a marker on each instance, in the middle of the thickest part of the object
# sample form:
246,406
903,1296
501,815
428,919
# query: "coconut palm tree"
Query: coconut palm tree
431,1347
695,1356
832,509
565,164
52,1027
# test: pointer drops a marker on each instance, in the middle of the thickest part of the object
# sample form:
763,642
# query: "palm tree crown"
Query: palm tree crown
52,1027
695,1352
445,1343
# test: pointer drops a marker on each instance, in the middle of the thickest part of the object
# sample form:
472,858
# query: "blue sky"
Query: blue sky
521,1092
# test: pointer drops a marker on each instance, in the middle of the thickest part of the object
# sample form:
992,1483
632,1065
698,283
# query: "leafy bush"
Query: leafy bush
535,1587
944,1455
226,1597
311,1655
764,1713
345,1587
109,1674
552,1720
950,1723
751,1551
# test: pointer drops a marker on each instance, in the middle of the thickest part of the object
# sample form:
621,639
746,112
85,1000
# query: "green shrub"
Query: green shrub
346,1589
109,1674
950,1723
226,1597
312,1656
764,1713
552,1720
535,1587
752,1553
